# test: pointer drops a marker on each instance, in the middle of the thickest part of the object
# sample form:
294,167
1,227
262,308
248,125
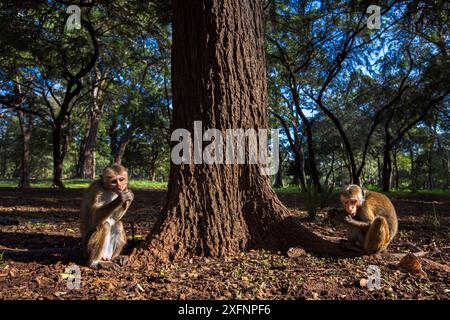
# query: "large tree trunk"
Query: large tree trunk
25,122
219,77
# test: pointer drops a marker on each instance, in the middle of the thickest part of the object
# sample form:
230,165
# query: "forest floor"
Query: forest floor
47,218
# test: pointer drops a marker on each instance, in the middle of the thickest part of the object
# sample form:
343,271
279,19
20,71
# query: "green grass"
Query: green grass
142,183
398,192
83,183
289,189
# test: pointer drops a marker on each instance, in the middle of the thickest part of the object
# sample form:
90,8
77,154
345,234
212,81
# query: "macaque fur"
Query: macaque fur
370,218
104,204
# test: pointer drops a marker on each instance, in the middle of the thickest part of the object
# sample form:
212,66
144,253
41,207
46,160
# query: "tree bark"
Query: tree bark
413,172
295,145
25,122
387,170
113,134
219,77
86,163
397,178
279,176
429,170
58,156
123,145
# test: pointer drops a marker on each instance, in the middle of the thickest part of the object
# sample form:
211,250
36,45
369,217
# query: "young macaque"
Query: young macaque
369,216
104,204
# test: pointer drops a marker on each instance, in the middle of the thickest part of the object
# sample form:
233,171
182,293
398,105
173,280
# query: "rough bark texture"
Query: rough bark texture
219,78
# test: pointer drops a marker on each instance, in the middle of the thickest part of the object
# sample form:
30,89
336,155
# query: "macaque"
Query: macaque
370,218
104,204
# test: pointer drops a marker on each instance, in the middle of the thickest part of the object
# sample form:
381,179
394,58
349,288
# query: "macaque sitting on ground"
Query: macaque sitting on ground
104,204
369,216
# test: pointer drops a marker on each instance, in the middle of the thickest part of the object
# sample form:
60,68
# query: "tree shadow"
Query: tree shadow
295,234
45,249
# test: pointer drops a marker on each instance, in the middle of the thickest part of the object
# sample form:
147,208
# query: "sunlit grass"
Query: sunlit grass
398,192
142,183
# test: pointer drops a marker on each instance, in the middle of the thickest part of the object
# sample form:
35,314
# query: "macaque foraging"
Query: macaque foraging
370,218
104,204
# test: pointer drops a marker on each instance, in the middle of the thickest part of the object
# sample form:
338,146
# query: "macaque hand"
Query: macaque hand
337,216
348,218
126,196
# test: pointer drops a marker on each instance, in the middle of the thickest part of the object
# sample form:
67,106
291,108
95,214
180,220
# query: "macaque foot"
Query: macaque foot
121,260
108,265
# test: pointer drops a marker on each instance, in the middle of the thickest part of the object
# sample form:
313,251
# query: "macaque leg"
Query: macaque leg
377,238
355,236
118,239
97,244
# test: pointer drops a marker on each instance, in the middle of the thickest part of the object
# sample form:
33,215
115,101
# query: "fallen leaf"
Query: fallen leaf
295,252
411,264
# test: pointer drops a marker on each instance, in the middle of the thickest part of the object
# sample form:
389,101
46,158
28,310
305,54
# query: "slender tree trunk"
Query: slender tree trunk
397,178
315,177
429,170
86,166
279,176
413,173
331,169
386,173
153,163
447,168
295,178
113,135
301,164
219,77
25,122
57,155
123,145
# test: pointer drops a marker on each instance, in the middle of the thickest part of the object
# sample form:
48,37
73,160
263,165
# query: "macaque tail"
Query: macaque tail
377,238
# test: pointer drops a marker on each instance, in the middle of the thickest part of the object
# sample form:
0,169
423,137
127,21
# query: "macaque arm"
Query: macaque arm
364,226
103,213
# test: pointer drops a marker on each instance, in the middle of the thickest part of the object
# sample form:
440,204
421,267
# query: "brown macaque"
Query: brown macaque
370,218
104,204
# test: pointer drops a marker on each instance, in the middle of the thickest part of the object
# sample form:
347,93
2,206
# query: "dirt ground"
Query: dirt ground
46,218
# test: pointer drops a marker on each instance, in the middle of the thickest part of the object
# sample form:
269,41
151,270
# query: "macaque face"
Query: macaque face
350,204
115,180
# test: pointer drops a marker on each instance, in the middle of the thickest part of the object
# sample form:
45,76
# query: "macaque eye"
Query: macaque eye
114,181
121,179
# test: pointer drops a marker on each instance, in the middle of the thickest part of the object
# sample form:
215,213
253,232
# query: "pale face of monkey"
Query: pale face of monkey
350,205
116,182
